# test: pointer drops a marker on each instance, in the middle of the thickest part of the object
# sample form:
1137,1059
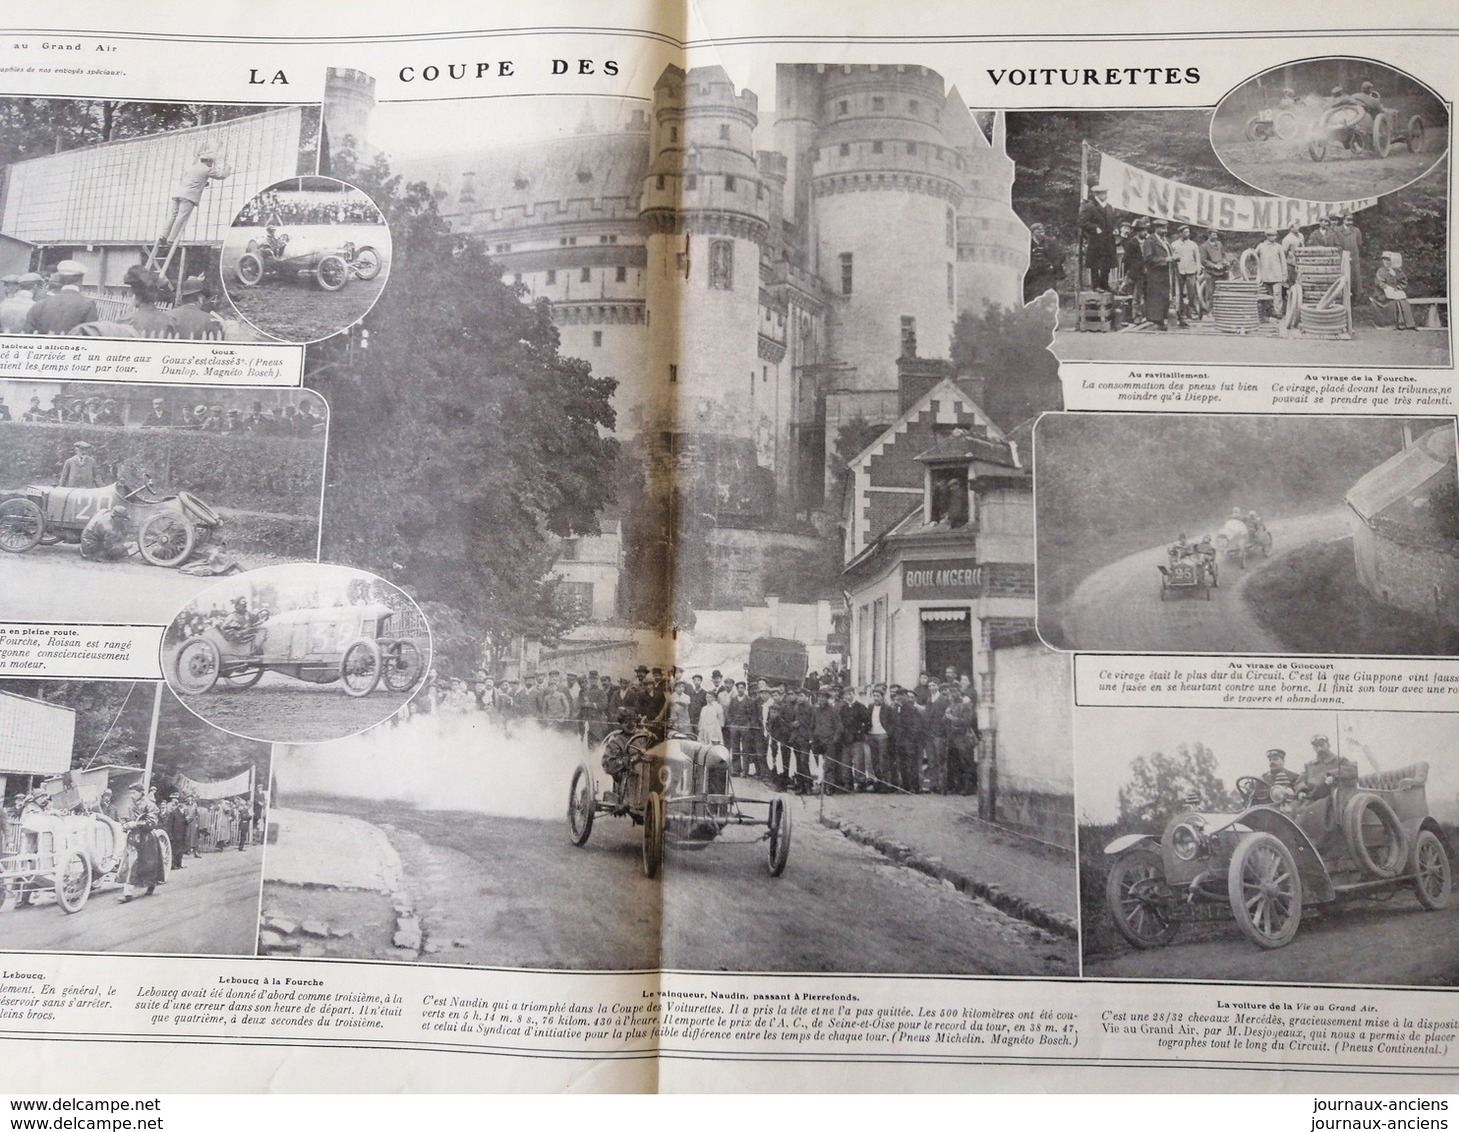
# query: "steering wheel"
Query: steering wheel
1249,787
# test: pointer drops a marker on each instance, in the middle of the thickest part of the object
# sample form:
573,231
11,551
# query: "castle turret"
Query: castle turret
992,242
349,100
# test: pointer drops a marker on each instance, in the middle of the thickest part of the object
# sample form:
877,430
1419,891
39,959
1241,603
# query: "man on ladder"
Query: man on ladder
185,201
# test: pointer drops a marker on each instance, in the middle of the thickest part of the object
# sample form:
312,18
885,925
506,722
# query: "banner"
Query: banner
208,791
1134,190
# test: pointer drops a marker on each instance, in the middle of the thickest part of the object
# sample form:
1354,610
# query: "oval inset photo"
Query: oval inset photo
306,258
1334,129
297,654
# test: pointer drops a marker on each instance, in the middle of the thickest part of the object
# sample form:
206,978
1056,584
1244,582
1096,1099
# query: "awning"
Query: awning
944,615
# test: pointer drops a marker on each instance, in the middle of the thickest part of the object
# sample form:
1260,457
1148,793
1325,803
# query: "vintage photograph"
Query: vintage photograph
306,258
1330,129
114,213
297,654
616,707
113,794
1156,253
1269,846
151,490
1251,534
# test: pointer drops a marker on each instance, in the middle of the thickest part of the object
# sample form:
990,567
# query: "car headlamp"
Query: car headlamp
1187,841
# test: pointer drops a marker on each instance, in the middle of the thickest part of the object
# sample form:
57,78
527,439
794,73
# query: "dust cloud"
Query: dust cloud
442,761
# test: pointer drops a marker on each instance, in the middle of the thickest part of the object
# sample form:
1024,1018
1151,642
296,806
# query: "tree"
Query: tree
462,443
34,127
1159,784
1009,347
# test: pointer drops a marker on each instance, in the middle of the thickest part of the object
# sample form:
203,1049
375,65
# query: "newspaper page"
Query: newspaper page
722,548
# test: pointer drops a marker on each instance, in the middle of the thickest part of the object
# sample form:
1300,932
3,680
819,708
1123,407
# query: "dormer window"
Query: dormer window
949,495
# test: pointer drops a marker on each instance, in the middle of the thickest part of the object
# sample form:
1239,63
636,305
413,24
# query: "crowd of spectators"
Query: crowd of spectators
307,208
298,420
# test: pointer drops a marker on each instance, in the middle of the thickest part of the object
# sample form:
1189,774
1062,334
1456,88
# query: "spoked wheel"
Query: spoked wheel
1414,135
403,666
655,819
1432,875
166,540
73,882
332,273
164,846
367,264
779,851
1285,125
241,679
21,525
359,668
1265,891
1382,135
1139,899
195,667
1317,148
250,269
581,805
1253,129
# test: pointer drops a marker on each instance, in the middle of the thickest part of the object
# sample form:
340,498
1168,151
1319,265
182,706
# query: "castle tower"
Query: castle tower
992,242
705,210
349,100
885,190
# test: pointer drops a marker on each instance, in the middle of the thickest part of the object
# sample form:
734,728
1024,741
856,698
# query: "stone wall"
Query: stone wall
1420,576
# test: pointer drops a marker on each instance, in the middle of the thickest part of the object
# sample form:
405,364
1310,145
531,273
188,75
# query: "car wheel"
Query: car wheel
73,882
403,667
1139,899
1414,135
1286,125
1432,876
1265,890
1374,836
166,540
1253,129
241,679
195,667
359,667
779,852
367,264
582,803
21,525
1382,135
1317,147
332,273
654,820
164,846
250,269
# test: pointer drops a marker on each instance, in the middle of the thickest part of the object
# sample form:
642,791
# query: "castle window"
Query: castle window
691,181
597,338
876,147
519,182
913,105
911,147
845,149
729,183
587,275
517,279
621,275
673,133
584,176
602,239
845,273
722,265
764,374
552,278
659,181
843,107
951,289
951,228
724,133
878,102
673,374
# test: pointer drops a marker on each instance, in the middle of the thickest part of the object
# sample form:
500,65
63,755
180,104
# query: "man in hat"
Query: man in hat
159,417
34,414
1292,243
1323,237
110,413
1214,260
80,470
1281,782
1045,263
1157,256
1347,236
67,309
1133,266
1097,230
145,870
14,306
1187,274
188,196
1271,269
189,320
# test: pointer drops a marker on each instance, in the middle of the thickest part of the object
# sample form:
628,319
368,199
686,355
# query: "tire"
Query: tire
332,273
1357,144
1265,891
1266,544
1253,129
779,850
1433,876
241,681
1135,893
1163,589
1286,125
582,803
1382,135
1317,147
196,510
654,820
250,269
404,667
360,667
166,540
1374,836
164,844
1414,135
367,264
21,525
195,667
73,882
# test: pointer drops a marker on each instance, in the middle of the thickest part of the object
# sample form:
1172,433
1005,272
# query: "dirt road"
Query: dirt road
280,709
54,583
1118,608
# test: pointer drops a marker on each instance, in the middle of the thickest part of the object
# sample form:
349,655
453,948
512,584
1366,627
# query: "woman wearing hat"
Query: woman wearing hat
145,869
1392,281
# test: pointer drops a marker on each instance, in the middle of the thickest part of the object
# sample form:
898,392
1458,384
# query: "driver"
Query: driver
619,755
1281,782
108,536
241,626
1369,101
1181,549
1206,550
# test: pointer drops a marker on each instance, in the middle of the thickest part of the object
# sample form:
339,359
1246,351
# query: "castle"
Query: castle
751,301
